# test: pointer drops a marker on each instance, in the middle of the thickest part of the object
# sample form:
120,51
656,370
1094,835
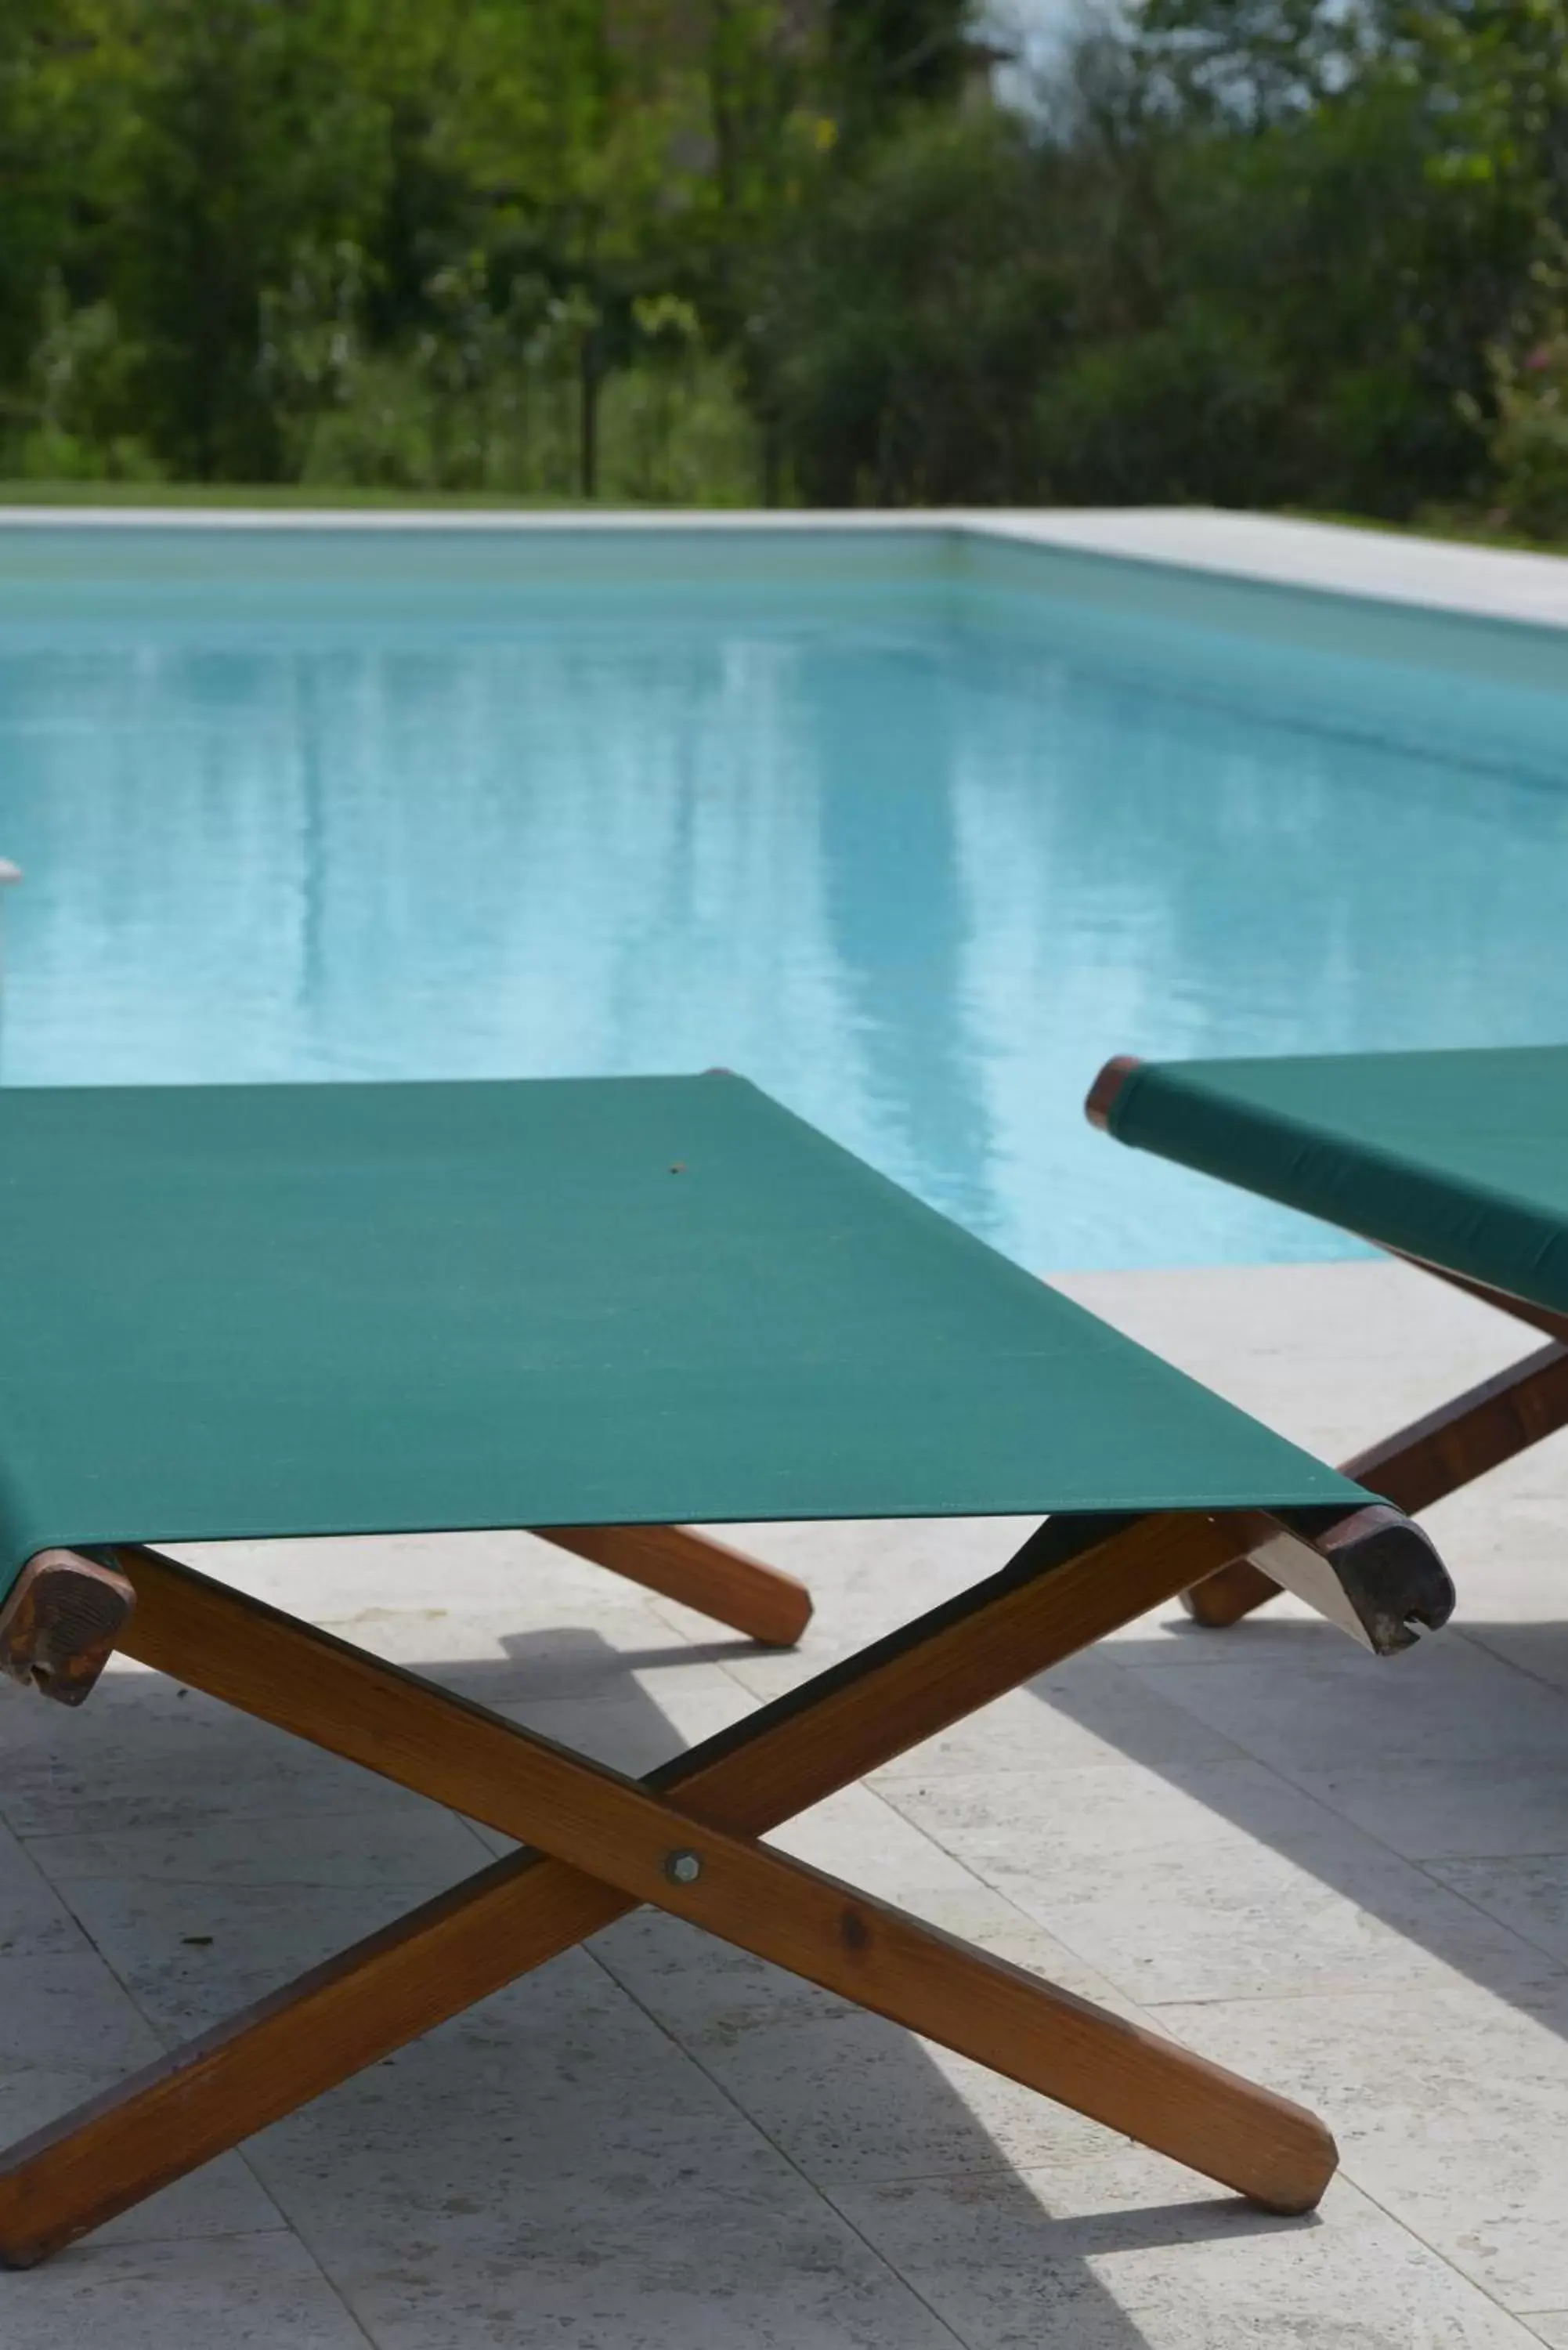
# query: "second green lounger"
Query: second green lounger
1456,1160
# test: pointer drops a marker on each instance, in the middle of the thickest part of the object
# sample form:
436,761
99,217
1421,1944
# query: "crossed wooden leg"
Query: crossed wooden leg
685,1840
1437,1454
63,1618
761,1601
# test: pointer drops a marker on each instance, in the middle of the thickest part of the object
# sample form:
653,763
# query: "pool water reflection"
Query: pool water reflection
916,859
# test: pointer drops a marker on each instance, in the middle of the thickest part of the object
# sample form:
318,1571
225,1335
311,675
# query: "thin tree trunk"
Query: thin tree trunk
588,416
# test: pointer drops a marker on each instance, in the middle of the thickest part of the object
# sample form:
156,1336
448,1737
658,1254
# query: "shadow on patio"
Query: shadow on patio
654,2140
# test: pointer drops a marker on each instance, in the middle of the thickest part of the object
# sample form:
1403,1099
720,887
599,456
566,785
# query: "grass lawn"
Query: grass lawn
283,494
1467,530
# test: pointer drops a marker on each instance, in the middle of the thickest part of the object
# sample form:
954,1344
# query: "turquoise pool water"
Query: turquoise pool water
912,841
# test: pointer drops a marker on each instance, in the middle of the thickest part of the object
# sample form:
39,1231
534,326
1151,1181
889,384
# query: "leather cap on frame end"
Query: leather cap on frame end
1374,1573
1101,1102
60,1621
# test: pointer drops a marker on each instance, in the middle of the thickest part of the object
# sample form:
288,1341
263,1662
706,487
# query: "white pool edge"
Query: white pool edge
1436,575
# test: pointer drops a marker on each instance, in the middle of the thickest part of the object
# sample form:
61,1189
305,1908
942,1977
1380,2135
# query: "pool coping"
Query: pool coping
1325,559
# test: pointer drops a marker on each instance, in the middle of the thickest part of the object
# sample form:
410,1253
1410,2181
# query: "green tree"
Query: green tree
913,313
253,140
885,57
1258,251
64,124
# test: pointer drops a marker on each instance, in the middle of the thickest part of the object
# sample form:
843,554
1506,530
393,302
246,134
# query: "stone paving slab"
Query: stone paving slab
1349,1878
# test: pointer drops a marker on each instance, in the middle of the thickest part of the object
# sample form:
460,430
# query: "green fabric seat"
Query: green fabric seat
280,1311
1457,1157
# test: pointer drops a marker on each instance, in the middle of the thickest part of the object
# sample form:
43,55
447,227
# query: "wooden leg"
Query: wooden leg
677,1856
1545,1318
1068,1587
1437,1454
1224,1599
761,1601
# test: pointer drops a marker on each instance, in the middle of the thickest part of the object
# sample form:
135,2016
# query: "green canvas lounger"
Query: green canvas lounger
592,1308
1458,1161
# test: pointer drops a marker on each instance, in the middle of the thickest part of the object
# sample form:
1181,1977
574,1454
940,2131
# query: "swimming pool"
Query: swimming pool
913,831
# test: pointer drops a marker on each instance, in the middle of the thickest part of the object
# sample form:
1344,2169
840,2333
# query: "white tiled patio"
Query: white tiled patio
1349,1879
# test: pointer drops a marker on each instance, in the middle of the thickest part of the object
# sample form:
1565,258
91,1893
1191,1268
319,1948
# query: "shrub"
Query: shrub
910,318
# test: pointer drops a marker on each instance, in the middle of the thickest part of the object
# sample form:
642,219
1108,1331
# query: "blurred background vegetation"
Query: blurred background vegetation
1307,253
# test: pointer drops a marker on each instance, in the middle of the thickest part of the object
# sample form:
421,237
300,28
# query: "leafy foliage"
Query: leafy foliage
913,312
1250,251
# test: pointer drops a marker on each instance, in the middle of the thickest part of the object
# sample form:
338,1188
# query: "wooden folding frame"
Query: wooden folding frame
685,1839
